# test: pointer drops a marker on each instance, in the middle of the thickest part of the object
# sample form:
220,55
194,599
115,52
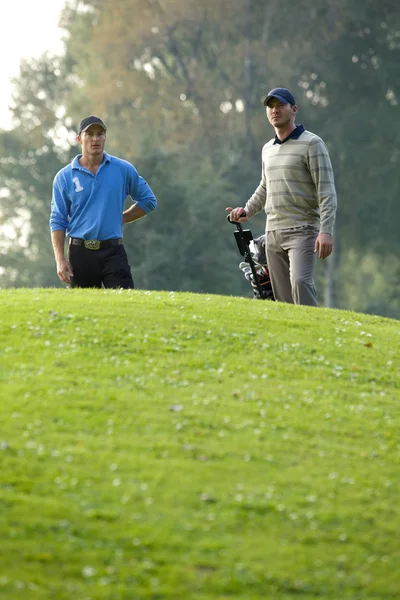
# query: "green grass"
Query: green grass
177,446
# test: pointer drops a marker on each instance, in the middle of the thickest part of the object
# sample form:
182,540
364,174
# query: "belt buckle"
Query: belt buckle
92,244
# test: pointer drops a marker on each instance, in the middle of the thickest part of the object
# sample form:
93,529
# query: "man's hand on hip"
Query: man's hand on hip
324,245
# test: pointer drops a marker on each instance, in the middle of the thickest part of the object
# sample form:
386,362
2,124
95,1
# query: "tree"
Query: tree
181,85
29,159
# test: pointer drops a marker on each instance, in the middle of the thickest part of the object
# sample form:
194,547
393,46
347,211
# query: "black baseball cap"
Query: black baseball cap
281,94
88,121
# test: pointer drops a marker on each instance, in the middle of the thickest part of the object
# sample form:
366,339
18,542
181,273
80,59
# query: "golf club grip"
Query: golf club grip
234,222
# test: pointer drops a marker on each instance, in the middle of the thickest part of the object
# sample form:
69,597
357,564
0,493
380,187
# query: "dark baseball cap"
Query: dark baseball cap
88,121
281,94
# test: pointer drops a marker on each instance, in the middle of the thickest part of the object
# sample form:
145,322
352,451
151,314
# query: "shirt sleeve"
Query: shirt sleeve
321,171
60,206
140,191
256,203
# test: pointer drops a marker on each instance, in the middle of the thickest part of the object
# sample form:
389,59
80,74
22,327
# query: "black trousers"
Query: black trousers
92,268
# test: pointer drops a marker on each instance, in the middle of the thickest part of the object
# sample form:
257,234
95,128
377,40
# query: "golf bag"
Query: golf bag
254,266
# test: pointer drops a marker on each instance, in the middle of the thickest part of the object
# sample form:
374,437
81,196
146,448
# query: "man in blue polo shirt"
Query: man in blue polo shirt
88,206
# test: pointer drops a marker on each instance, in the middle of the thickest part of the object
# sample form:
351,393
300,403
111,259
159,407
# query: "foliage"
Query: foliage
29,159
367,278
181,84
201,256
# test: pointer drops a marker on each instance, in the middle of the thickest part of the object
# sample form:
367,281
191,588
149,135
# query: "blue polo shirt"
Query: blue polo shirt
90,206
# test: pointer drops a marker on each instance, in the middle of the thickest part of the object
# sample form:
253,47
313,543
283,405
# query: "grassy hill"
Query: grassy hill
178,446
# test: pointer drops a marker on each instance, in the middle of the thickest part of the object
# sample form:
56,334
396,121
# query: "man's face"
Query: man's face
93,140
279,114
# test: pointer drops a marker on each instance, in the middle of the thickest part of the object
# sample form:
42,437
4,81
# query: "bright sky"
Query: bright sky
27,29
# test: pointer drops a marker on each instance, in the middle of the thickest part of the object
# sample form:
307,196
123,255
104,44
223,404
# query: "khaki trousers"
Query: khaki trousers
291,263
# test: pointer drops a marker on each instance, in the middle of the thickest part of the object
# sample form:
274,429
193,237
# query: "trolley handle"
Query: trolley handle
236,222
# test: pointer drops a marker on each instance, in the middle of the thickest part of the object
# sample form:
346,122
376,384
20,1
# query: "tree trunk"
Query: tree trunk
331,278
249,81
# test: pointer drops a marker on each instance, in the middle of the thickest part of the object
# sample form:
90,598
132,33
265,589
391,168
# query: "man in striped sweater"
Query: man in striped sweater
297,192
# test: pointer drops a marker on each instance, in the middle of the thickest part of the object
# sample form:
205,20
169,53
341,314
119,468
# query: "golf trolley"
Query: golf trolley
254,267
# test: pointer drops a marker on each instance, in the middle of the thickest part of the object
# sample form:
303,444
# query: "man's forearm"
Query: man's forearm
328,214
133,213
58,241
256,203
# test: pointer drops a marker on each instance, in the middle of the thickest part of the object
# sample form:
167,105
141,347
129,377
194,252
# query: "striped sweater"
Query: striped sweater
297,185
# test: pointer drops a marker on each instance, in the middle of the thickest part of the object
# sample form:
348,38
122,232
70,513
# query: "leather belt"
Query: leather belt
96,244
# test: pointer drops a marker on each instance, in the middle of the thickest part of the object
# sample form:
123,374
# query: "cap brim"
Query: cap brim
278,97
96,123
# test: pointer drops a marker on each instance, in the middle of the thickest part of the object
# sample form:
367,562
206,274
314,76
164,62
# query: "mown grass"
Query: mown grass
168,445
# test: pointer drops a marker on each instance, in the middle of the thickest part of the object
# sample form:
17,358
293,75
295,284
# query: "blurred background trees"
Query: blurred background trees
180,85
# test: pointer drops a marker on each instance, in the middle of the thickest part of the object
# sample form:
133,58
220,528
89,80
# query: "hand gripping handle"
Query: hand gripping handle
236,222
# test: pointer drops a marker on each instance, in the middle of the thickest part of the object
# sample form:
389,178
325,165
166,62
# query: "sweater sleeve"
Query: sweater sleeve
321,171
256,203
